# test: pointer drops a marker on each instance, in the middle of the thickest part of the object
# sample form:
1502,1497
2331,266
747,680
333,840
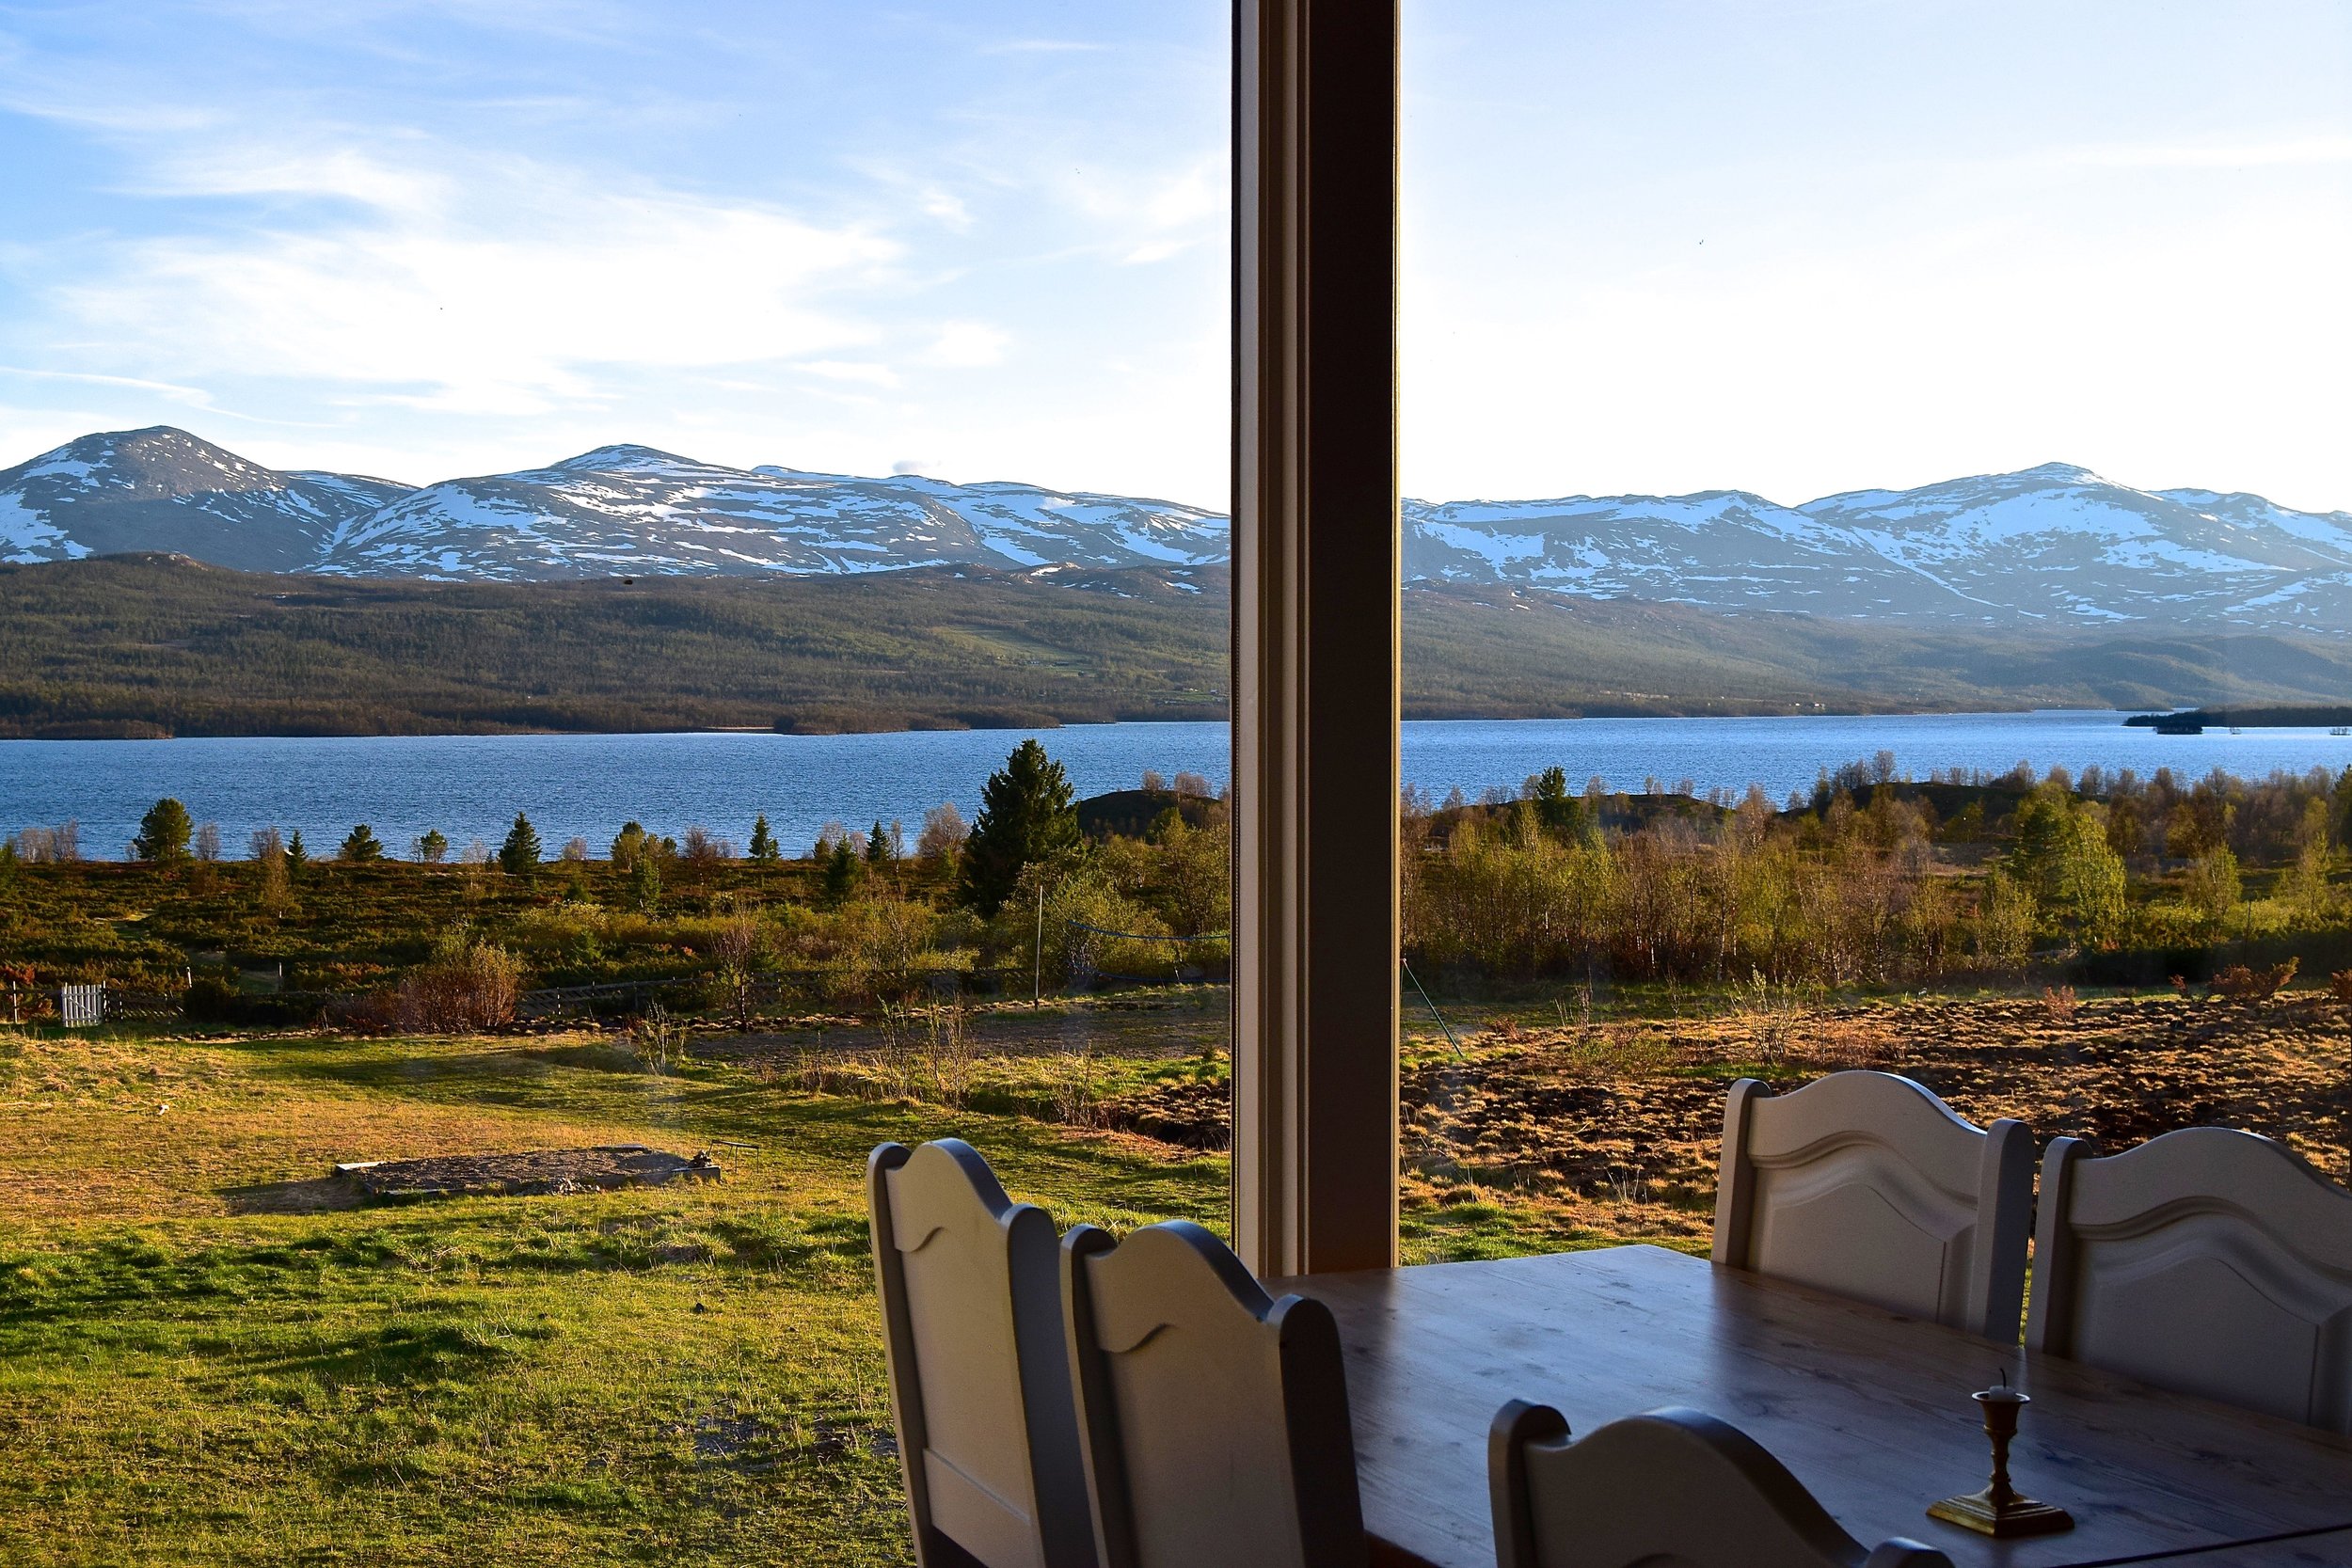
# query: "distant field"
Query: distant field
148,645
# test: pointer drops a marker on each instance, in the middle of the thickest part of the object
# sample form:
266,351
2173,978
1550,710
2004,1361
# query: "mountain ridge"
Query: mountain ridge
2051,547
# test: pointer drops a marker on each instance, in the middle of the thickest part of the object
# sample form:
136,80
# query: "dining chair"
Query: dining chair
1674,1486
2208,1261
979,1379
1866,1185
1214,1419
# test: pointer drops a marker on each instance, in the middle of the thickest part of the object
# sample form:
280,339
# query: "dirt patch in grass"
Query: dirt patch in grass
1615,1129
542,1172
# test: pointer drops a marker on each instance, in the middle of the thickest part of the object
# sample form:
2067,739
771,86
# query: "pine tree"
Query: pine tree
628,846
1560,814
519,855
1026,816
361,847
162,833
764,851
298,858
878,849
432,846
842,871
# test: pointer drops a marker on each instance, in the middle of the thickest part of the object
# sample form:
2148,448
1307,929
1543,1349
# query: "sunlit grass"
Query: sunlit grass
689,1375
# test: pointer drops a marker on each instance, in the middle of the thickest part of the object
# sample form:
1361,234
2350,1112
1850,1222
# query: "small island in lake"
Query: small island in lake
2196,720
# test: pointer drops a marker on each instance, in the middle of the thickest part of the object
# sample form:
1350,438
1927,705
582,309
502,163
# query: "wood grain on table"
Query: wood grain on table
2330,1549
1869,1409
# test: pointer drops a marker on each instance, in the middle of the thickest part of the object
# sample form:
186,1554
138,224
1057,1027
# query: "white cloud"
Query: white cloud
1156,250
510,291
965,346
948,209
850,370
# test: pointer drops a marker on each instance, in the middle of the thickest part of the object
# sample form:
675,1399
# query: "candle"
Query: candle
1999,1511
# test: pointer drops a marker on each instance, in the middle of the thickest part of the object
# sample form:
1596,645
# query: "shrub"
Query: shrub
658,1040
2340,984
2240,984
469,986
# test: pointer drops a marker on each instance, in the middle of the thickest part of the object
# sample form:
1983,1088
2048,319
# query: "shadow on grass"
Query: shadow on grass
405,1351
318,1195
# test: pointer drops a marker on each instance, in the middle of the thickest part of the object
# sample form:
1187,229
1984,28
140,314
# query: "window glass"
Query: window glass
1862,419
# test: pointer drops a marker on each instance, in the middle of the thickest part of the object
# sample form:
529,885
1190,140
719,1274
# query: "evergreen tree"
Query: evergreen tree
1560,814
361,847
298,858
878,852
1026,816
162,833
842,871
628,846
432,846
764,851
9,864
519,855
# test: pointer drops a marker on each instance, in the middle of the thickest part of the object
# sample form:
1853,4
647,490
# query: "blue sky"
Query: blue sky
1790,246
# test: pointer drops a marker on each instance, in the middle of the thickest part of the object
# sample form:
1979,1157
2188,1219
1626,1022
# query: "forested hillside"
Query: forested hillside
133,646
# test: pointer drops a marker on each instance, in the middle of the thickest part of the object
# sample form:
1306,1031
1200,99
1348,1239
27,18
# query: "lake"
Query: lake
470,786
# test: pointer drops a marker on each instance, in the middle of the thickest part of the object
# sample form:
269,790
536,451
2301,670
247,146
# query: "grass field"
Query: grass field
211,1354
203,1361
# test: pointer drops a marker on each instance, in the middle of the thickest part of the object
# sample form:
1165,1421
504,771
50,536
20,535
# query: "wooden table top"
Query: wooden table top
2331,1549
1871,1410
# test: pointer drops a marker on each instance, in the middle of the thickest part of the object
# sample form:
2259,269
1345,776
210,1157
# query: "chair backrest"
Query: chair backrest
2208,1261
1214,1419
1865,1185
980,1377
1671,1489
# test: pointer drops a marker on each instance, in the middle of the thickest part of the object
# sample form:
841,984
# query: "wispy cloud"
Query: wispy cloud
466,238
194,396
2300,152
501,287
1046,46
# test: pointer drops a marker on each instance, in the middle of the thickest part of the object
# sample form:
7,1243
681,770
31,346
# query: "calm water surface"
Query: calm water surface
470,786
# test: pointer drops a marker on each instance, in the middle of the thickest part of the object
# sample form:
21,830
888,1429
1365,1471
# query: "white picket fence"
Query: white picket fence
81,1006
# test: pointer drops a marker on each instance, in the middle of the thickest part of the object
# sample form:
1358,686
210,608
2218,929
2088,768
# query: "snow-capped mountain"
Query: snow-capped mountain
163,489
621,510
2054,546
631,510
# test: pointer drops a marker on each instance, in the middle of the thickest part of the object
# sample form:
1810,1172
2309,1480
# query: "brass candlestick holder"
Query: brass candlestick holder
1999,1511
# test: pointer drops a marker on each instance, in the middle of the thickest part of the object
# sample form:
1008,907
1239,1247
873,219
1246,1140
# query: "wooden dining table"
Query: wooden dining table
1870,1409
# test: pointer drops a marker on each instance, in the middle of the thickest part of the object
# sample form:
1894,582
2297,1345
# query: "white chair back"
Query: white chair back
1866,1185
1671,1489
2209,1261
1215,1421
980,1377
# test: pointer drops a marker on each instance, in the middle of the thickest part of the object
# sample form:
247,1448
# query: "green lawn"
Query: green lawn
200,1364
